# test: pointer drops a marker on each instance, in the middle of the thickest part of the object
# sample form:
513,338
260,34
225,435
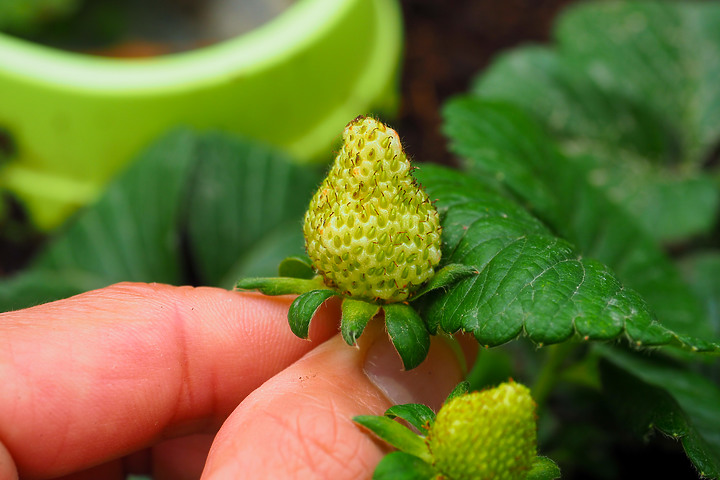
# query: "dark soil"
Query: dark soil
447,44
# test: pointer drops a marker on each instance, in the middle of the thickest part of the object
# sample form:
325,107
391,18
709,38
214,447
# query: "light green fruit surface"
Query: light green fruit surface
486,435
370,229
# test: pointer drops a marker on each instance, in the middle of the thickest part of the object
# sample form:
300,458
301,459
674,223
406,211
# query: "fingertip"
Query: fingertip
8,471
174,359
299,424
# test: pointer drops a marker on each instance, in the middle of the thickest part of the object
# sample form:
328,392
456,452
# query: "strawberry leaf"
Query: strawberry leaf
408,333
445,277
543,469
562,193
191,209
630,87
296,267
279,285
530,282
460,389
355,316
303,308
395,434
403,466
418,415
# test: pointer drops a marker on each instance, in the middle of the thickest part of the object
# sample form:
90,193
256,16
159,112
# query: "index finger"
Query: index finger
99,375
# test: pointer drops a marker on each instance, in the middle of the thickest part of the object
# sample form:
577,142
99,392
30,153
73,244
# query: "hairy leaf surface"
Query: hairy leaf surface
530,282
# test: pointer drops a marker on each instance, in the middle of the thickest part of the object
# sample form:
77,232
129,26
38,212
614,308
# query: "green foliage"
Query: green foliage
185,212
395,434
630,89
356,314
403,466
544,469
607,137
530,281
408,333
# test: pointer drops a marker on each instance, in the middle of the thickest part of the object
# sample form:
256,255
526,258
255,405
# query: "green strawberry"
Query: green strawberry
370,230
485,435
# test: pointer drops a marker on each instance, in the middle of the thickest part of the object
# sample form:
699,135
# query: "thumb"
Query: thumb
299,423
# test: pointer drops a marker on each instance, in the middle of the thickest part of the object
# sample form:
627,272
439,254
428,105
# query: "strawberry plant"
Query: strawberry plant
578,241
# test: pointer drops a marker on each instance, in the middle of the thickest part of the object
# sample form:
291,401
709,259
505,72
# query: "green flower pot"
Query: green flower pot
75,120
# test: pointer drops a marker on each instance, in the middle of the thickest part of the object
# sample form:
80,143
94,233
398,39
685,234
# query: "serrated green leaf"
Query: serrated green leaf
396,434
355,316
649,393
445,277
299,266
418,415
408,333
303,308
485,134
543,468
403,466
530,281
280,285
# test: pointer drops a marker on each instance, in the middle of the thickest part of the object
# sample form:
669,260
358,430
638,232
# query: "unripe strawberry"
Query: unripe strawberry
486,435
370,230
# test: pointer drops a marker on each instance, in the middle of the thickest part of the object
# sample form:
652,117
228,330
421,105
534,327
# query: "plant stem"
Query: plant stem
546,379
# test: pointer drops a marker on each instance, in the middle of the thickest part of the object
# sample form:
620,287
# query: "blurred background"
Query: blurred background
444,45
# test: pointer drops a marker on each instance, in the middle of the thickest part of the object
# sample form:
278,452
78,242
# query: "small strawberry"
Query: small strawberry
373,238
475,436
485,435
371,230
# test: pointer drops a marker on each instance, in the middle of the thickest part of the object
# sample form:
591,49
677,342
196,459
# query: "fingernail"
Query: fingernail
429,383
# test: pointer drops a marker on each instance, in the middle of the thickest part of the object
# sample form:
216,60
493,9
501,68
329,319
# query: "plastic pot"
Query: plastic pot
74,120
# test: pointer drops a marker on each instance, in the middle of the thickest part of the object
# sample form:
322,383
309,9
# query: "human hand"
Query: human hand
178,380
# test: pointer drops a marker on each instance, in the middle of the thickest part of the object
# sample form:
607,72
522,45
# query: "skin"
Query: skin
190,383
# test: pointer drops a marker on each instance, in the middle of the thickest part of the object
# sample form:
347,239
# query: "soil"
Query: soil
447,44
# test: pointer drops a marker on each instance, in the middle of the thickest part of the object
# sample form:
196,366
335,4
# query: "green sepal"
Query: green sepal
403,466
396,434
445,277
418,415
279,285
543,468
303,309
355,316
299,266
408,333
461,388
